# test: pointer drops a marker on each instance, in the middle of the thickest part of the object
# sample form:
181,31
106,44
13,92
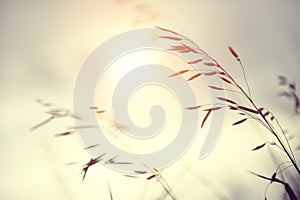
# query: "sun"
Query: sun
142,99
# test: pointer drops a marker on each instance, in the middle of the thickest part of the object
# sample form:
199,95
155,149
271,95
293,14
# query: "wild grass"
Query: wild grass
287,172
55,113
249,111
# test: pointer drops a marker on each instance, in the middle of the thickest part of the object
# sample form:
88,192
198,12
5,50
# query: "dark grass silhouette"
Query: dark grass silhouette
251,111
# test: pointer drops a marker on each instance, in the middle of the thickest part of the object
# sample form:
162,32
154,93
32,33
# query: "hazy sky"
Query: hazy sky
43,45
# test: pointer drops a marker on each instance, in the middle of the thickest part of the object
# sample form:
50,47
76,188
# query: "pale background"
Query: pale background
44,43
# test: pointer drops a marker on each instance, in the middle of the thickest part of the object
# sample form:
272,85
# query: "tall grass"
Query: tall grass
247,111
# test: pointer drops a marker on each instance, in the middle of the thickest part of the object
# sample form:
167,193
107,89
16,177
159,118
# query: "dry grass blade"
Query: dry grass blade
93,108
179,73
177,48
140,172
266,114
100,111
193,107
182,49
248,109
259,147
171,38
82,127
64,134
91,163
41,123
166,30
239,122
97,109
210,73
71,163
215,88
189,48
234,53
110,192
91,146
232,108
151,177
119,162
227,100
225,80
130,176
195,61
194,76
211,64
205,118
213,109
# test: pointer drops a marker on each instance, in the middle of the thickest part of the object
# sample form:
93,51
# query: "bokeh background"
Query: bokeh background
42,47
